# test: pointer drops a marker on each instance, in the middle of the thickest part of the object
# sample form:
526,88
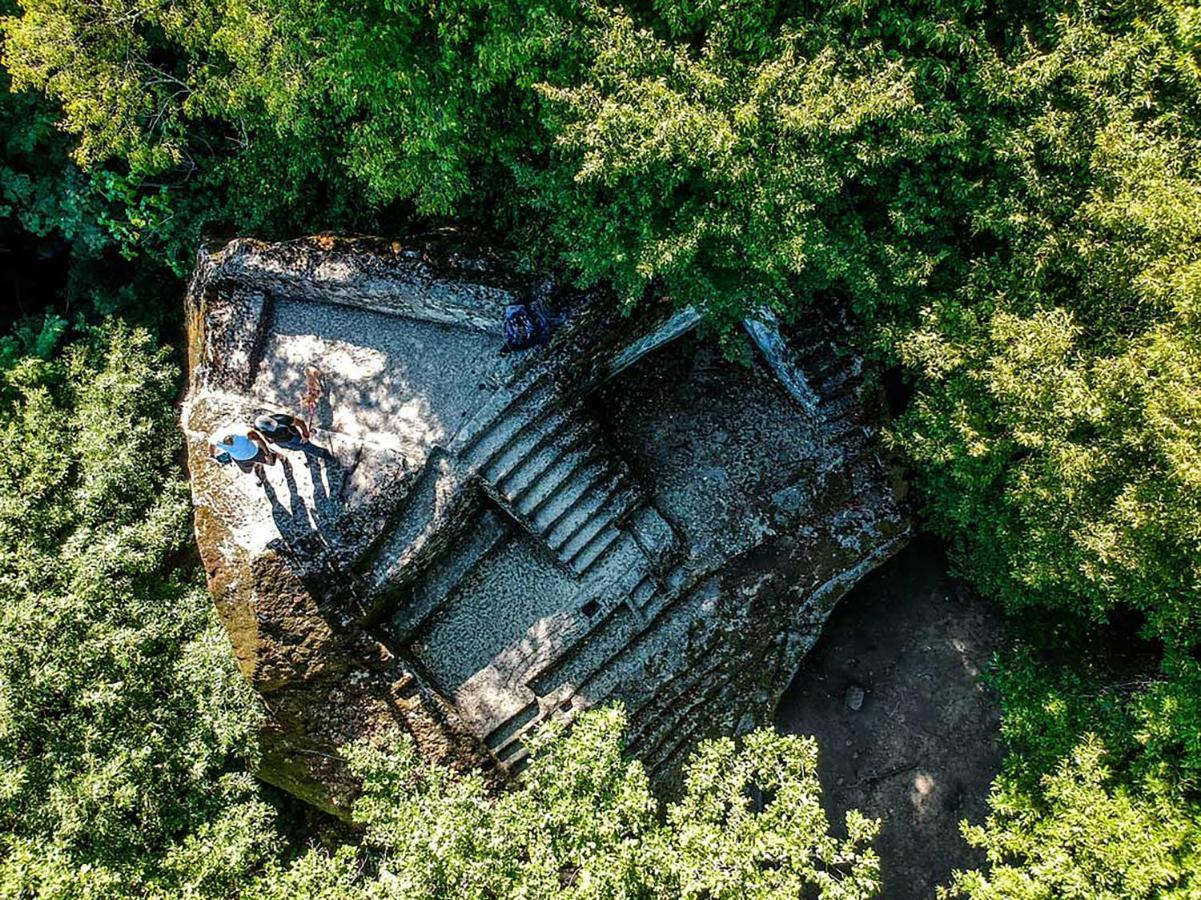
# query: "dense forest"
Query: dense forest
1006,195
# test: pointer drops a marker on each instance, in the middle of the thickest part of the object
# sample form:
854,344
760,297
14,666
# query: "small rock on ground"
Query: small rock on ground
854,698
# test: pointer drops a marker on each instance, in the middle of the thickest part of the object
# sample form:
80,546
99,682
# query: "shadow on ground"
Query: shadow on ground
922,749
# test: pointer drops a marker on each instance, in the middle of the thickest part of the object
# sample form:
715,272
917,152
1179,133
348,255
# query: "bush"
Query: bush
127,737
1008,196
1083,835
124,727
581,822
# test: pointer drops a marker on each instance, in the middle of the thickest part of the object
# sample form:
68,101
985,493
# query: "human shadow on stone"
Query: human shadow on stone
300,523
308,532
324,509
309,449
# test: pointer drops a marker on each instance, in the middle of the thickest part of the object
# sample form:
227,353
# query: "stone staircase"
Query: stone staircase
552,474
546,465
835,379
615,623
506,742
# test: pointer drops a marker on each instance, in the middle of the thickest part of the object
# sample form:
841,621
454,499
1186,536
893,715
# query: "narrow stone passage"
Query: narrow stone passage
907,647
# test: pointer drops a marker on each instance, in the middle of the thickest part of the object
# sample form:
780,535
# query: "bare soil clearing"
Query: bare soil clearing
922,748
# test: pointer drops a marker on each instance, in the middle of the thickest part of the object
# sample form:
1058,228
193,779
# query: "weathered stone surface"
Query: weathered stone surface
492,541
854,697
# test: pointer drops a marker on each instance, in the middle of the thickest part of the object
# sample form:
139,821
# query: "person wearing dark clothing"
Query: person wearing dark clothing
283,430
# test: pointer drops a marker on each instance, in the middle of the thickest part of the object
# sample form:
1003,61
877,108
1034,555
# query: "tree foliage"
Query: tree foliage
1083,835
1098,796
1007,195
1055,431
123,724
223,114
582,823
126,735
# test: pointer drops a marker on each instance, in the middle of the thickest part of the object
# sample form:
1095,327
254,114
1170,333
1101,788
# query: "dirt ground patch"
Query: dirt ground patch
922,749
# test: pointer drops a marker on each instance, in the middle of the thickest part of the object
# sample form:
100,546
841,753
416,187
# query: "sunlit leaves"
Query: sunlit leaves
124,729
582,823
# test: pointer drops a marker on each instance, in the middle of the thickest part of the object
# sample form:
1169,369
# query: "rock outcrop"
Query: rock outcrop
480,542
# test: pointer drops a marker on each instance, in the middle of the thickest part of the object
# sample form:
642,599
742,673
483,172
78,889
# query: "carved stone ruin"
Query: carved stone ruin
489,541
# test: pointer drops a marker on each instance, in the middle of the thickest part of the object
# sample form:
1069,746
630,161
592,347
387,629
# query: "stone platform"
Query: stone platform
486,541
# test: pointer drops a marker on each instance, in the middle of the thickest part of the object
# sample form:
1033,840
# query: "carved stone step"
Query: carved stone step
609,631
550,496
681,741
655,536
440,581
504,732
611,624
603,517
523,476
675,727
646,589
539,433
840,406
625,500
509,751
655,715
578,516
843,381
498,436
505,739
493,411
591,553
623,496
625,660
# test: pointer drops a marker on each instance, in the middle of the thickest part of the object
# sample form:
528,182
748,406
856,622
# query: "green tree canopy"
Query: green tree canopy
581,822
1082,835
124,726
1006,195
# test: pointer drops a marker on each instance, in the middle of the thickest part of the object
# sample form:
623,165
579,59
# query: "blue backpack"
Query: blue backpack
527,325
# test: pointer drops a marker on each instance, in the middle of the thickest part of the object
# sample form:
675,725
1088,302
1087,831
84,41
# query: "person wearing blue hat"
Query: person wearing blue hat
249,452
